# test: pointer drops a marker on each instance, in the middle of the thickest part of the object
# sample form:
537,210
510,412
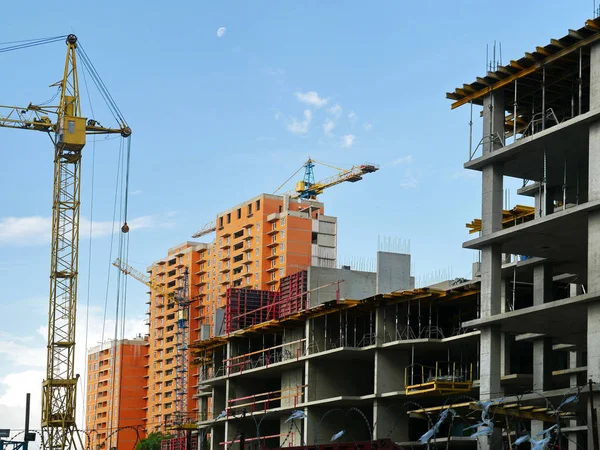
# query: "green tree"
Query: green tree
152,442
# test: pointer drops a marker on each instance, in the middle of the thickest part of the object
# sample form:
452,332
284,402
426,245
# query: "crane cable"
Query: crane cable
110,102
121,294
89,274
29,43
292,176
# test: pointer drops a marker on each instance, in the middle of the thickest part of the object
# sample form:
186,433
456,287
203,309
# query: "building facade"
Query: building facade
255,245
115,394
539,271
258,376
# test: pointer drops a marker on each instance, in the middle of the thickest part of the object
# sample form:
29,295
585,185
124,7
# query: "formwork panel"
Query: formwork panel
247,307
293,295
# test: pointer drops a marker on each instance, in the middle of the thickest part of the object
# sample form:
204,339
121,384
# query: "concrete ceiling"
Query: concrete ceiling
563,320
525,158
561,236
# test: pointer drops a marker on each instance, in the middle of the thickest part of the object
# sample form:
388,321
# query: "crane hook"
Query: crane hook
125,228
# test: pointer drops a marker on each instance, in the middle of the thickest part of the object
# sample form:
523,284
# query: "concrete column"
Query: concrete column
593,267
491,281
291,382
491,198
542,368
505,341
489,370
542,348
491,258
390,367
390,421
542,284
493,121
489,366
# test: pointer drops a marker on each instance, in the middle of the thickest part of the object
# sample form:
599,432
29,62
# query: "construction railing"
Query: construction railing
179,443
290,440
265,357
291,397
446,377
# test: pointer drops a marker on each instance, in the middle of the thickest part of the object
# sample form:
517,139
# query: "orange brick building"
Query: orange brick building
161,364
256,243
115,393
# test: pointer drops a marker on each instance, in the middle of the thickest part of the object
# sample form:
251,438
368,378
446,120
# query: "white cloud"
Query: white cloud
368,126
301,127
311,98
137,192
409,180
464,174
402,160
336,111
16,382
348,140
16,385
221,31
277,115
34,230
328,127
18,352
352,116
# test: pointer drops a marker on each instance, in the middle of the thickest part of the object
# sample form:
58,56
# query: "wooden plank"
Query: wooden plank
508,80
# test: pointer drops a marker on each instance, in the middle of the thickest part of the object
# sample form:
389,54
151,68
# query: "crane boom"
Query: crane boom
309,189
67,130
206,229
129,270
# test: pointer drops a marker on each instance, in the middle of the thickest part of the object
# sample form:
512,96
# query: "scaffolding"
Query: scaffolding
510,217
180,443
445,378
291,396
290,437
182,358
265,357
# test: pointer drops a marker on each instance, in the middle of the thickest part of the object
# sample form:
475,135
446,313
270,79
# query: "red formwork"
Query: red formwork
293,295
247,307
179,443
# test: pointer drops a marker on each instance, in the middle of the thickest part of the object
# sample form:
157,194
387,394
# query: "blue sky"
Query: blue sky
219,119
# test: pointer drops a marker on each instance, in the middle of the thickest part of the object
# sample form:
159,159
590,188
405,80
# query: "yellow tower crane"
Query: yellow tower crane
308,188
67,130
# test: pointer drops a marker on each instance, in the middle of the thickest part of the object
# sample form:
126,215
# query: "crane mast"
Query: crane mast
60,385
68,134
